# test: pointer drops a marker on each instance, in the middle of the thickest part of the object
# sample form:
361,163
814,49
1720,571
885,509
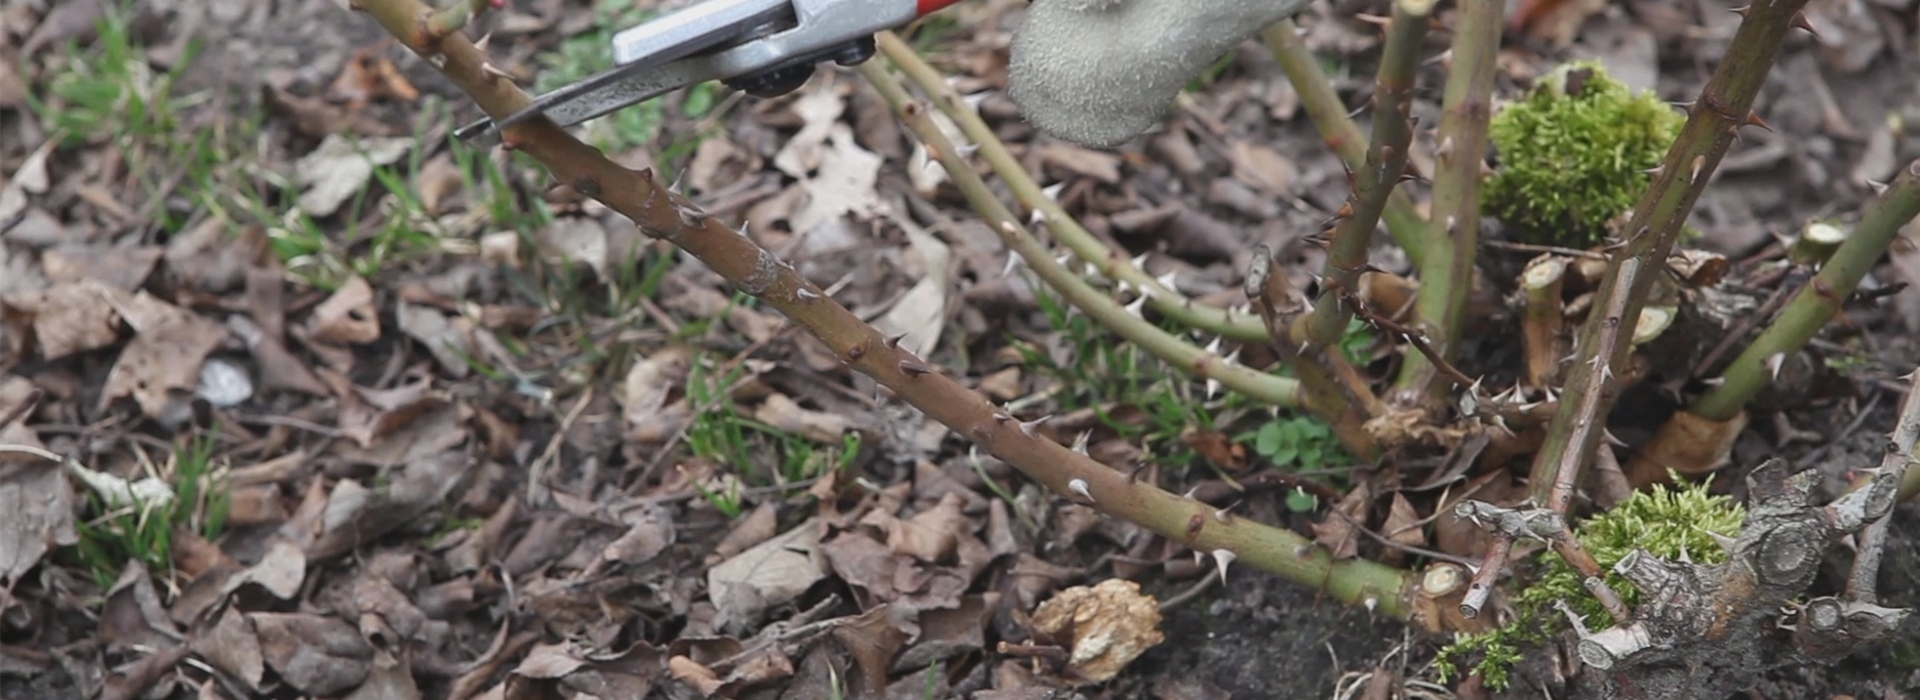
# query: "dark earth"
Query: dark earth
1828,102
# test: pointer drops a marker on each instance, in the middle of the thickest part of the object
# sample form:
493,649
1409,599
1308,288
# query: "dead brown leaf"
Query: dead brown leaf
69,318
719,160
279,368
120,268
228,642
341,168
316,118
919,315
872,643
449,338
786,416
348,316
929,535
949,633
1103,627
1216,447
1099,165
13,89
280,572
1402,527
368,76
650,530
1339,531
132,615
758,526
315,654
771,573
439,180
382,422
161,367
702,679
351,514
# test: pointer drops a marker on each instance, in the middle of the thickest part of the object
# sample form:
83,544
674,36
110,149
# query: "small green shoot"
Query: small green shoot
144,531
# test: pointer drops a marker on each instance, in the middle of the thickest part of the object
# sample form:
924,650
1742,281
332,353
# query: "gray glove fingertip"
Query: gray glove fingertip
1101,72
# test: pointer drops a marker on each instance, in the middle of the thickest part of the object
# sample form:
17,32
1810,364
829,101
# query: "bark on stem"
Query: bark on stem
638,196
1268,388
1229,324
1377,178
1817,302
1343,137
1453,232
1724,107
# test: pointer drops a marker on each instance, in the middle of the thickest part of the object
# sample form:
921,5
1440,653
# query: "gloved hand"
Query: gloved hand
1100,72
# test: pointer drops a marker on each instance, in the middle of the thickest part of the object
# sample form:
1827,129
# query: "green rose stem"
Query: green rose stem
1232,325
1818,301
1329,115
1453,234
1724,107
674,218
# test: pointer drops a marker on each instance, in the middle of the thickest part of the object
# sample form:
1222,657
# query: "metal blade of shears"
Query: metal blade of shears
716,40
648,47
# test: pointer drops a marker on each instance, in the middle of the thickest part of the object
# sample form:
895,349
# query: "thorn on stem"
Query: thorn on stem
494,72
1028,427
1800,22
1079,488
914,370
1222,558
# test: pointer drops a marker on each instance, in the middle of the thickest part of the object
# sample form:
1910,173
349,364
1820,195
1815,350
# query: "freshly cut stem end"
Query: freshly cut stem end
1544,321
1816,243
1654,320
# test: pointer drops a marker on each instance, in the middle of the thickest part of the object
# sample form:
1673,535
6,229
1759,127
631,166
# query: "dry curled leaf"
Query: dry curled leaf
317,655
348,316
1339,531
160,367
367,76
1104,627
68,318
771,573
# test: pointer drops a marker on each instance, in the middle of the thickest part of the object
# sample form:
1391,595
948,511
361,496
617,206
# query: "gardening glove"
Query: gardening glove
1100,72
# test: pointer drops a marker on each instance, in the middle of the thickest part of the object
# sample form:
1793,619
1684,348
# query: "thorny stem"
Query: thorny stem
1272,389
1818,301
1861,581
1386,162
670,216
1337,129
1453,233
456,15
1309,341
1491,564
1724,107
1333,388
1227,323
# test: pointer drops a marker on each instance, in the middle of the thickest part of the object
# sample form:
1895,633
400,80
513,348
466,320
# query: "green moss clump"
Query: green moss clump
1667,523
1574,153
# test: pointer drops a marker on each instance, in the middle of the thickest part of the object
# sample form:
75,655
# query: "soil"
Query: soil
1256,636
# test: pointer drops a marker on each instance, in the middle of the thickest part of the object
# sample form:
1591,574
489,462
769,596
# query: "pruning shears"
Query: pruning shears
764,48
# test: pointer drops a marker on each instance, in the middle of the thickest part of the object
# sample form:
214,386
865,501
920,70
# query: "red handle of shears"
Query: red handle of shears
927,7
